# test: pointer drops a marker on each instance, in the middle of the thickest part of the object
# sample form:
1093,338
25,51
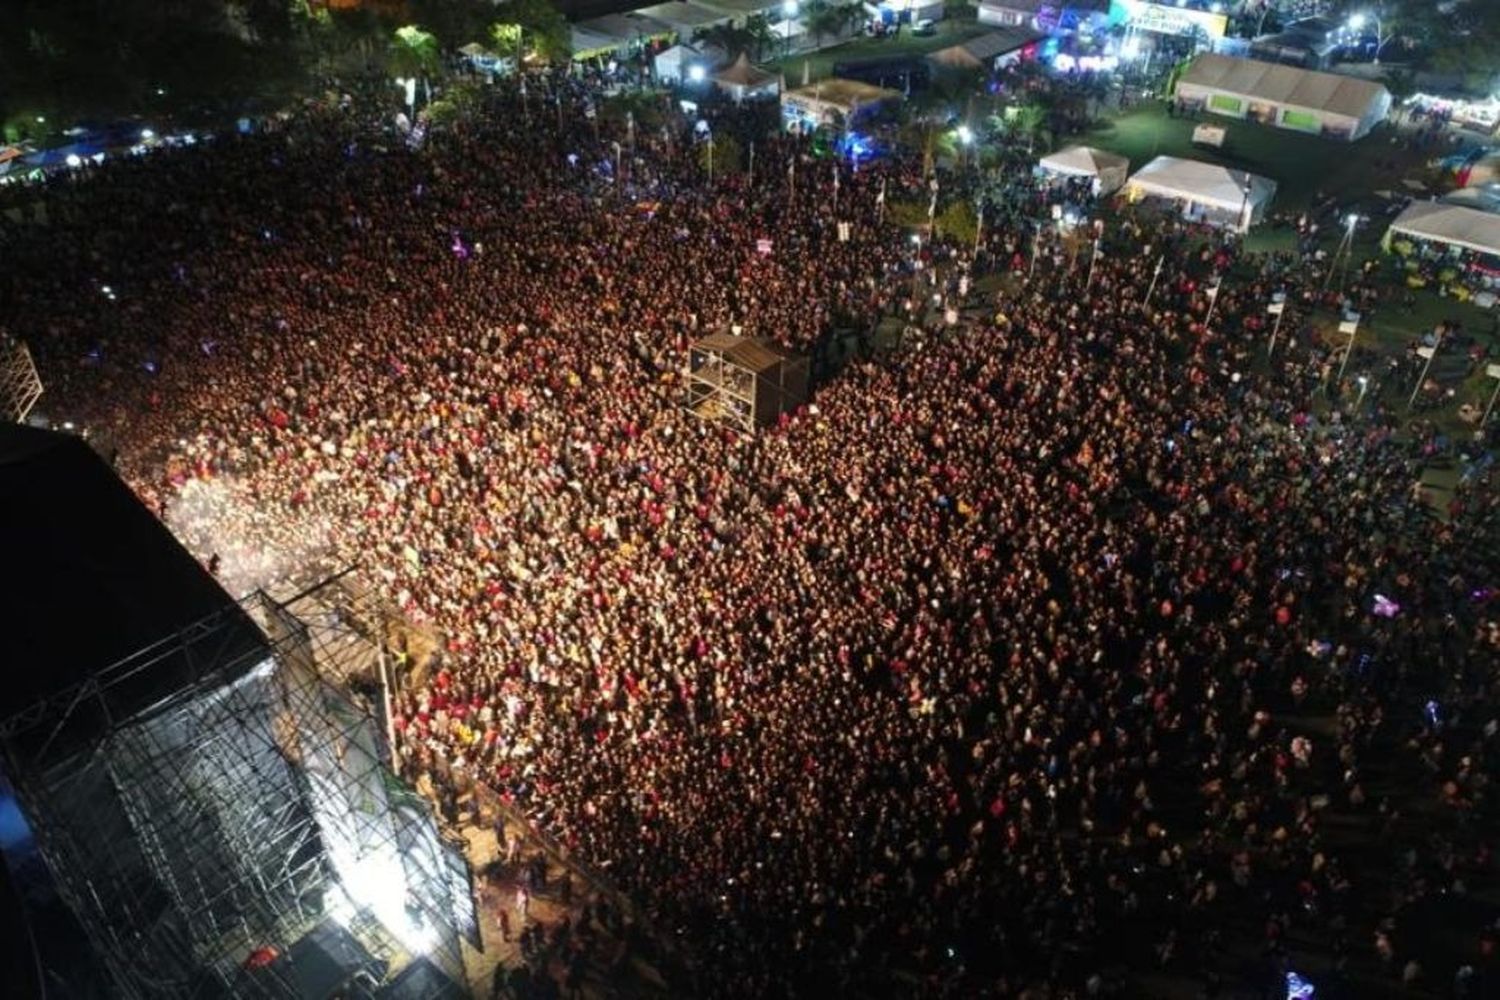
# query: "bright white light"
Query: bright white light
1217,8
613,65
696,74
1356,21
916,238
965,134
789,8
1352,219
106,290
1063,63
41,120
147,135
1131,49
73,160
1363,381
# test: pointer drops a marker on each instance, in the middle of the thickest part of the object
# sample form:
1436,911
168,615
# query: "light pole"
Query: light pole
916,266
788,13
1350,326
1364,383
1357,22
1493,371
1429,353
1346,246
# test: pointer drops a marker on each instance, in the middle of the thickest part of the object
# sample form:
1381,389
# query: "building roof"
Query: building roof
627,27
683,16
998,43
742,8
1205,183
1455,225
92,578
985,47
1286,85
1038,6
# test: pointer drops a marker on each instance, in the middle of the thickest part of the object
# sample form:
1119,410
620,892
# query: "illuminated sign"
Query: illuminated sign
1165,20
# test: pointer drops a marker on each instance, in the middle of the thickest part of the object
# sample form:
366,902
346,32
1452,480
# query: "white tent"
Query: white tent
1454,225
1303,100
672,64
1206,191
743,81
1108,170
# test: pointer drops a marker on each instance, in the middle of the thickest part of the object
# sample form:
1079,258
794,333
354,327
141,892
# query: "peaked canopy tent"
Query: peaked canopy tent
741,80
1109,170
1302,100
1451,225
675,64
1207,192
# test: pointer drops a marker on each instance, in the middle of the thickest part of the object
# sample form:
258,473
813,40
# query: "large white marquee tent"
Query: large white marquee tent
1452,225
1302,100
1207,192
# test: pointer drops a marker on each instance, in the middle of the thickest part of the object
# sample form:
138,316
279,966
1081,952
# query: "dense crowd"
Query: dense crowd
1068,646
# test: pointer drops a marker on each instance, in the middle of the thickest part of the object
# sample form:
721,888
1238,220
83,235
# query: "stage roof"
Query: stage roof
91,578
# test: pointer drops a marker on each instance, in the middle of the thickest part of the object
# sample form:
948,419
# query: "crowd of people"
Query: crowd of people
1068,647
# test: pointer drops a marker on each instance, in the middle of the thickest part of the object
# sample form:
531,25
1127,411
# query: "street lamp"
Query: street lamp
1357,22
916,266
788,15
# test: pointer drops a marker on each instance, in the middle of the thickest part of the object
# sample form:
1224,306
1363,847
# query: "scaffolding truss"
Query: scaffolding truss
204,841
743,382
20,385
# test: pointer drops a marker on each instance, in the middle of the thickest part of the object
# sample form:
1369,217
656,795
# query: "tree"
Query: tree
532,27
727,38
413,56
824,19
759,34
454,22
1468,42
726,154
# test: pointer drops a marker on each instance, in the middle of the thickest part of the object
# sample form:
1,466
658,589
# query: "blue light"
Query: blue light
855,147
1298,988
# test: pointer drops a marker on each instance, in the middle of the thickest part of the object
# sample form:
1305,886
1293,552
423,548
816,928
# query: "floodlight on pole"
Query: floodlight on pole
696,74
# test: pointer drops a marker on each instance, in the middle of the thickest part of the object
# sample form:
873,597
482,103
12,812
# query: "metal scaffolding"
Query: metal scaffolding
743,382
20,385
209,842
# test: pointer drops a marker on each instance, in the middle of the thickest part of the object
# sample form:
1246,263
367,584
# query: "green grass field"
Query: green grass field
1304,167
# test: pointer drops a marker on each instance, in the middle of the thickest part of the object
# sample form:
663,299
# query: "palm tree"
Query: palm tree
727,38
413,56
825,19
758,28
